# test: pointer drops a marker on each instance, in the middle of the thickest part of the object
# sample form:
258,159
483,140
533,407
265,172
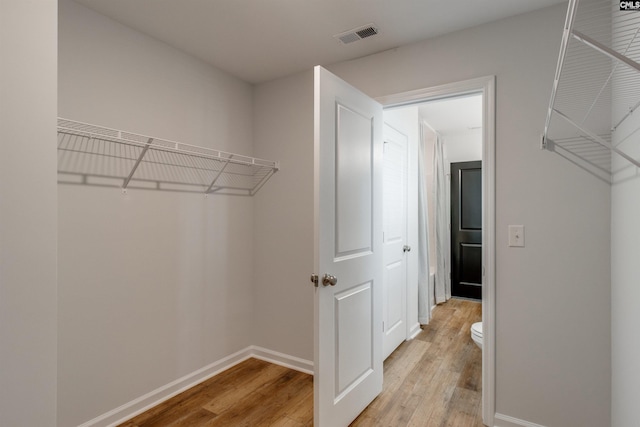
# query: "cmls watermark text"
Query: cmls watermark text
629,5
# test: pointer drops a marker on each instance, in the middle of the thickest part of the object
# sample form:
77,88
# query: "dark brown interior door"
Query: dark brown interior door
466,229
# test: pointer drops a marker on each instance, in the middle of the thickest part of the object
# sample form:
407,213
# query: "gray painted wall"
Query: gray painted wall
284,224
28,212
625,276
625,298
152,285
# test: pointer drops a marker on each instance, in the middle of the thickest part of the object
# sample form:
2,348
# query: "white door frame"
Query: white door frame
485,86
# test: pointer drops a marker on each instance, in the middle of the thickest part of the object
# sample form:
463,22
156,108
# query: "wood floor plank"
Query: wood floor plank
277,405
431,381
257,407
471,375
464,409
434,407
190,400
297,399
195,417
424,397
398,374
288,422
219,403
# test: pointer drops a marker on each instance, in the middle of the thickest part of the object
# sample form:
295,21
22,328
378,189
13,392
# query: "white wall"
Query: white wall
463,146
152,285
625,276
284,217
28,197
551,369
625,296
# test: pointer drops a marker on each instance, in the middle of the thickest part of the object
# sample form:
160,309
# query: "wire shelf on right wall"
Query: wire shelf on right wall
592,119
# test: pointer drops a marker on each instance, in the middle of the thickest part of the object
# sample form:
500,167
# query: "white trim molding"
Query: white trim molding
282,359
155,397
487,87
502,420
414,331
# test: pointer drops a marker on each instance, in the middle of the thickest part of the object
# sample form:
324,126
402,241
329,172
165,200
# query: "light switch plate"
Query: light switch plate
516,236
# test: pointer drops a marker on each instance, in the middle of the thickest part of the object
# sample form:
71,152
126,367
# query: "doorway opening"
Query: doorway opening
482,91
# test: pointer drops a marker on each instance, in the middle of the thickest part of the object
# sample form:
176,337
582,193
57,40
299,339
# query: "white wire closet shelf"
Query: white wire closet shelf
95,155
592,119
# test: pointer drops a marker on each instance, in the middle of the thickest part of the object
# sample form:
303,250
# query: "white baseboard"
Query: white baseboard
501,420
414,330
282,359
159,395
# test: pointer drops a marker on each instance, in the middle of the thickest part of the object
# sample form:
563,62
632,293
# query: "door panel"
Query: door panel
353,318
348,242
395,160
470,177
466,229
471,259
394,275
353,182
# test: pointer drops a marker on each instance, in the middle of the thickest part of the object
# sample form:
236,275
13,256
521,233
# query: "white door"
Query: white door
348,220
394,312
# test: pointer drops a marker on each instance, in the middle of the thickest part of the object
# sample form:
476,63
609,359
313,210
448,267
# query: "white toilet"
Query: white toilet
476,333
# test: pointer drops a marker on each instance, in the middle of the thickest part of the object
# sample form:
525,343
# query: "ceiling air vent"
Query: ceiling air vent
357,34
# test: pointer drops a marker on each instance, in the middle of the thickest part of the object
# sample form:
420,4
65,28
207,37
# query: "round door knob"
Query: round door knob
328,279
406,248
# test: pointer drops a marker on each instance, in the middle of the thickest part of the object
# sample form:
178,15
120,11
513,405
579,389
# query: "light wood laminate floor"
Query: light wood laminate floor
431,381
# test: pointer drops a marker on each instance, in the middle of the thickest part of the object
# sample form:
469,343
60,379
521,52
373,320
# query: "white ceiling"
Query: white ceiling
452,115
259,40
